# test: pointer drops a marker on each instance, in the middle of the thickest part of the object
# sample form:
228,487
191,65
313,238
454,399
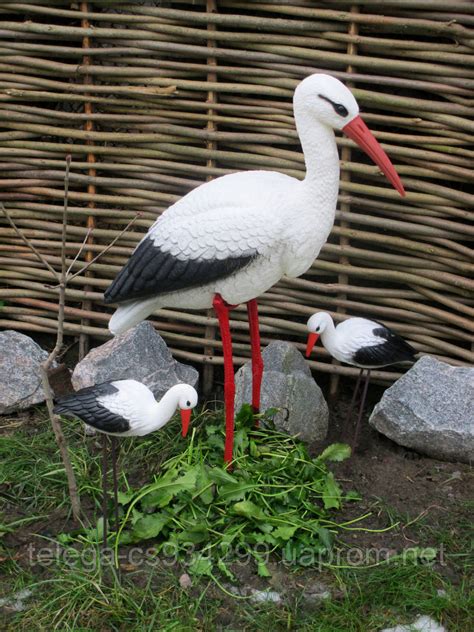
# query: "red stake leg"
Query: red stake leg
257,362
222,311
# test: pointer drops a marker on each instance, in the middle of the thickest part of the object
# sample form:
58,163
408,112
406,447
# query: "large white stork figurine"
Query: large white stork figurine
231,239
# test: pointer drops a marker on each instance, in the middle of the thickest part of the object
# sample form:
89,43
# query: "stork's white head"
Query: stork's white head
316,325
327,100
318,322
186,400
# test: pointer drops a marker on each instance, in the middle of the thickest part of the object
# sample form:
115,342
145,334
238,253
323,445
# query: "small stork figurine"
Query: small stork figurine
360,342
125,408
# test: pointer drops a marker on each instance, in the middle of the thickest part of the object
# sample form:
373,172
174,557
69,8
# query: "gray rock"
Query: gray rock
138,354
430,409
20,378
287,384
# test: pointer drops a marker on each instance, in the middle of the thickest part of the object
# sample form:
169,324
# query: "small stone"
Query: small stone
20,376
265,596
185,581
287,384
316,591
430,409
422,624
138,354
15,603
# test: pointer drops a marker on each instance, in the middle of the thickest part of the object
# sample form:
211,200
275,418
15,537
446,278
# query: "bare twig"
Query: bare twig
106,249
79,252
27,241
46,366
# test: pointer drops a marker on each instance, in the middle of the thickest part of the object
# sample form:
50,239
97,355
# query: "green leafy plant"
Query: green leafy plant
275,499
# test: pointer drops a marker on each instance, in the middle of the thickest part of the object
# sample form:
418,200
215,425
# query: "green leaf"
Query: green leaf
285,533
136,515
331,493
244,418
235,491
125,497
219,475
249,509
194,534
335,452
205,486
200,565
352,495
224,569
149,526
253,449
164,490
257,537
262,568
325,536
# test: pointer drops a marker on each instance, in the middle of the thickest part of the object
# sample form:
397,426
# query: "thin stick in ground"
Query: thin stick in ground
62,279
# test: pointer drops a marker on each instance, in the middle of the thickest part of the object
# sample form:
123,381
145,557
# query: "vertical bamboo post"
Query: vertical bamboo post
210,331
343,278
91,189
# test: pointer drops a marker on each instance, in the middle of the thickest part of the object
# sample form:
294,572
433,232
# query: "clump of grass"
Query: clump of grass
31,471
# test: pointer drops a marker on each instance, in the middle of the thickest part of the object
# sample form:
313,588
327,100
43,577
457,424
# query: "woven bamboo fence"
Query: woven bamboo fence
153,98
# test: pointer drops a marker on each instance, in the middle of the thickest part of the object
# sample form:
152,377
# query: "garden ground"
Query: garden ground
414,511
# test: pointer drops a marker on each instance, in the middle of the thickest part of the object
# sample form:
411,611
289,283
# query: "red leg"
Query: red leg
222,311
257,362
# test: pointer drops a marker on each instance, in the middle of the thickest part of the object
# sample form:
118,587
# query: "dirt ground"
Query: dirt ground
426,496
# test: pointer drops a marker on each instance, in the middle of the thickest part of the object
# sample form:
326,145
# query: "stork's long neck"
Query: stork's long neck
328,335
163,410
321,158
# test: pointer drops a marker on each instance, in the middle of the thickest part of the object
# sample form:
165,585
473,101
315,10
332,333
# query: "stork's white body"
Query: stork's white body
351,335
126,408
136,403
360,342
286,220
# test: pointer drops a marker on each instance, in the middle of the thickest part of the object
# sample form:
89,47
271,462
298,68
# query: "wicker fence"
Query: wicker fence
153,98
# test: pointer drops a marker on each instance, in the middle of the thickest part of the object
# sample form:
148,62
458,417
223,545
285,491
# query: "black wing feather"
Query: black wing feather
151,271
83,405
394,349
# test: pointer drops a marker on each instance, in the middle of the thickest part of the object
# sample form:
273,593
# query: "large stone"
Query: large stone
430,409
138,354
20,377
287,384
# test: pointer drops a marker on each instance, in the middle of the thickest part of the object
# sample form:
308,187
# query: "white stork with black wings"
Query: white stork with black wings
366,344
231,239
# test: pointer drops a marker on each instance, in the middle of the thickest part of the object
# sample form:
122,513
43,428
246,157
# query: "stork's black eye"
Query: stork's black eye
188,403
338,107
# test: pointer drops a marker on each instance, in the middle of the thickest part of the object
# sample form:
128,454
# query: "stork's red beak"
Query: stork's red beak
312,340
185,417
358,131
